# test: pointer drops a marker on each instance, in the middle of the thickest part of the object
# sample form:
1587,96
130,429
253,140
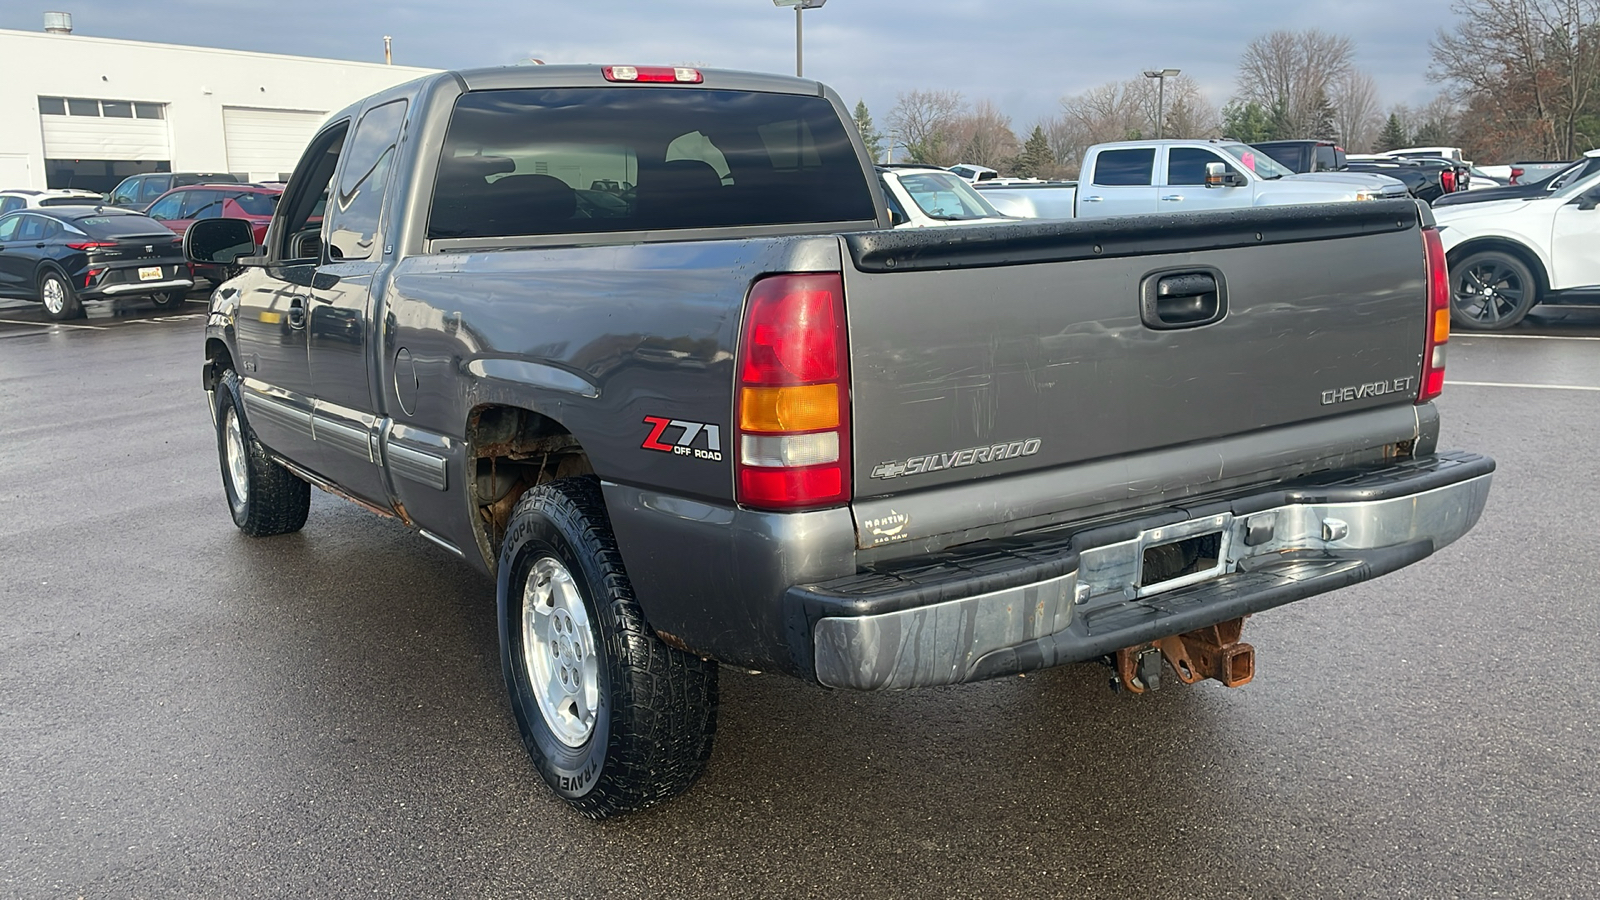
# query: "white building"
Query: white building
87,112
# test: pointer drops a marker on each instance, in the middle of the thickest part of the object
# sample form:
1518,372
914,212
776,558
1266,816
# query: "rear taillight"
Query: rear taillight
794,395
90,276
1448,176
1517,173
90,245
1438,278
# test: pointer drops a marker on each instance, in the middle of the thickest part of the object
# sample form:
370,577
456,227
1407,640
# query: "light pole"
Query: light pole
1161,76
800,6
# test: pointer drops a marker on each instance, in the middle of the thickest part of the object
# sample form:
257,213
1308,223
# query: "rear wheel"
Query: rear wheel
1491,291
264,497
60,300
169,299
614,719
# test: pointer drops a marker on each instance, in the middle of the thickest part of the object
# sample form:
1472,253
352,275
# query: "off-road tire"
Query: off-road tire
53,285
656,714
1471,310
275,500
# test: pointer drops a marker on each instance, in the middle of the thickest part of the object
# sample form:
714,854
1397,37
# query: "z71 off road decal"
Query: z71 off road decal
955,459
678,437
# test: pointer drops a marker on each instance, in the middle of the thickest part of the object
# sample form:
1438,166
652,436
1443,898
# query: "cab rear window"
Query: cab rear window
594,160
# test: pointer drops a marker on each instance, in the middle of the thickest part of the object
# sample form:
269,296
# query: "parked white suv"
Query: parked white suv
1508,255
11,201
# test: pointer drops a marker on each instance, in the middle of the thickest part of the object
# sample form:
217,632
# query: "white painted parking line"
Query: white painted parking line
1522,337
1536,387
52,324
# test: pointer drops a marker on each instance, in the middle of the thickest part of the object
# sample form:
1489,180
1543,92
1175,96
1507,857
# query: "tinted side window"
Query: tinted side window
7,204
153,187
300,238
203,204
170,207
1187,165
256,204
8,228
31,229
591,160
125,192
354,220
1124,167
1325,160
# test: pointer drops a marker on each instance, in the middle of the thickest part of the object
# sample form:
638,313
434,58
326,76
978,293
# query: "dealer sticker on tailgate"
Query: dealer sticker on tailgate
150,273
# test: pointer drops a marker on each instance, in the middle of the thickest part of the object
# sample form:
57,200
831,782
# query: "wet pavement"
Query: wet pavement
185,712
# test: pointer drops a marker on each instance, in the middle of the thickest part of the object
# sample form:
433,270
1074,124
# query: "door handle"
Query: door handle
297,312
1172,300
1173,198
1093,199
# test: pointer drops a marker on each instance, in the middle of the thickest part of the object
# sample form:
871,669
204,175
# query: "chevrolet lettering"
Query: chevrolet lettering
1371,389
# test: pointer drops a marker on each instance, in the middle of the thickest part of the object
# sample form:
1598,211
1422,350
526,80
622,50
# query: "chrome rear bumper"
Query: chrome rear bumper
1009,606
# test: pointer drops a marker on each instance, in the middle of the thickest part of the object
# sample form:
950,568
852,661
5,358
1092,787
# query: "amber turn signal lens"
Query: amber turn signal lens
1441,325
809,407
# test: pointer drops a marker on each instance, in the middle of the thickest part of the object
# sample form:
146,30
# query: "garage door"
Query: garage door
266,143
88,135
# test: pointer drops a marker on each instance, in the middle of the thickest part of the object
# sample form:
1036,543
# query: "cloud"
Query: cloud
1022,54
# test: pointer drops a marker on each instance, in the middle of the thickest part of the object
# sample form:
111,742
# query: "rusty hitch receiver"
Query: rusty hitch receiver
1211,652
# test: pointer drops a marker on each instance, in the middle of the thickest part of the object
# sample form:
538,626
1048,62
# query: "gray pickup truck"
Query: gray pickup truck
640,344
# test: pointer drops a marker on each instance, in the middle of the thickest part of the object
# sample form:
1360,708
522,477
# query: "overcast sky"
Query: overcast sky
1022,54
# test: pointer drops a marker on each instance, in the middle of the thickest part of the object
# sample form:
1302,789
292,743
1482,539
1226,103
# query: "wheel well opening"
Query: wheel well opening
218,360
511,450
1510,248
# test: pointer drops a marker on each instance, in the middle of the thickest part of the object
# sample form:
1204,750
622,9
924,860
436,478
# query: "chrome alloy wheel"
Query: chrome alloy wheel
558,651
238,471
53,295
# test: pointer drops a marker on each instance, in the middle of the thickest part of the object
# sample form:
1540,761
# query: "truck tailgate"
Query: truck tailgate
999,350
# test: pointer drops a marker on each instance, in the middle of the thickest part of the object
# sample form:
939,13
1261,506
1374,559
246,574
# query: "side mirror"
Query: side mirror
219,241
1586,201
1219,175
897,218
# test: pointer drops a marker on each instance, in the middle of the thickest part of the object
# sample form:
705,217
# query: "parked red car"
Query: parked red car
183,206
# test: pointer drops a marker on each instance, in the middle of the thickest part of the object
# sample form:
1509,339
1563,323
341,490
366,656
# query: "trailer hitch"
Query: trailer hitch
1211,652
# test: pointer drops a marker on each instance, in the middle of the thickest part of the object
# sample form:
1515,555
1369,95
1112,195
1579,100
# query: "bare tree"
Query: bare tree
1529,69
1354,96
984,137
924,123
1127,110
1188,113
1285,71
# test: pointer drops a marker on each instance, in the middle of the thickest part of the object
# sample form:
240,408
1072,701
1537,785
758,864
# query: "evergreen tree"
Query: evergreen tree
1036,160
1280,126
1393,136
1433,133
1323,127
869,135
1245,122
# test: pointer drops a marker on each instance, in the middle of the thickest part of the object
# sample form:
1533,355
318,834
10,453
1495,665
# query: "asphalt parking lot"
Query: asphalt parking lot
185,712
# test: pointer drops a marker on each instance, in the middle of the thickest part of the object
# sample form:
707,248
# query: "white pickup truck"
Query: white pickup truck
1134,177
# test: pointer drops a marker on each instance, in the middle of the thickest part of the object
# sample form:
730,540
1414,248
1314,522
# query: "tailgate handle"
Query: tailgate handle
1171,300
